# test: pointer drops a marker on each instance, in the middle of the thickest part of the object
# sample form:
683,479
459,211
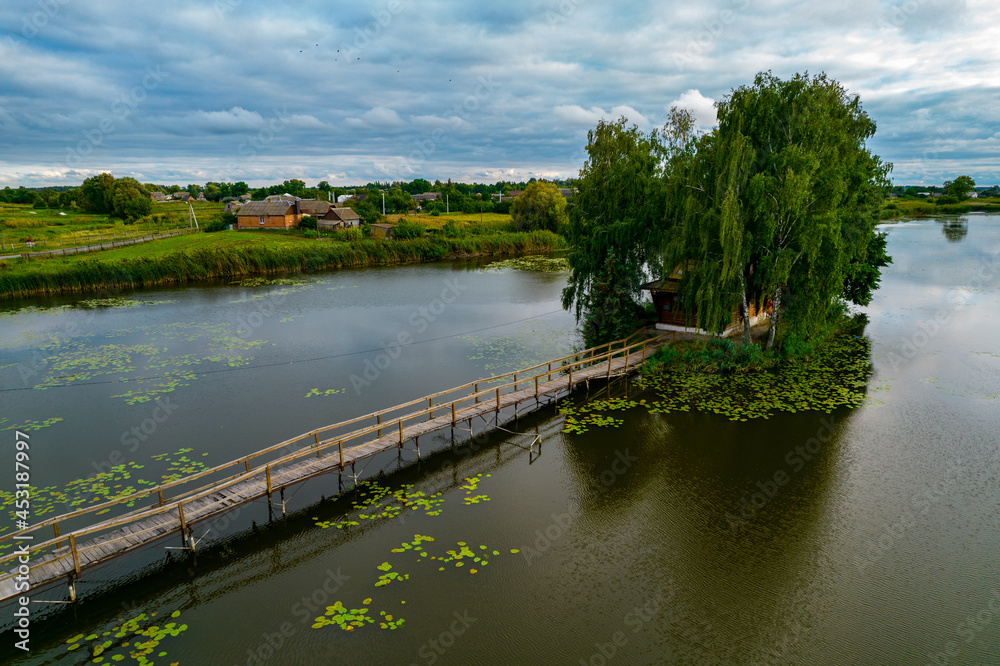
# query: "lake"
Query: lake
865,535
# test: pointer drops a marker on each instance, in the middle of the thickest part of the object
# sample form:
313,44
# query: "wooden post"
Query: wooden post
536,387
319,454
340,447
378,421
476,388
571,378
626,359
76,557
453,413
430,405
643,351
400,432
515,382
180,512
246,463
267,471
55,528
498,401
610,356
160,493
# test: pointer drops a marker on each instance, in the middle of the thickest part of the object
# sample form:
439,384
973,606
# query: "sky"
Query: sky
178,92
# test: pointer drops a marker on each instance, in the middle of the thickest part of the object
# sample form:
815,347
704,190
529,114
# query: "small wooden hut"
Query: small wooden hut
671,314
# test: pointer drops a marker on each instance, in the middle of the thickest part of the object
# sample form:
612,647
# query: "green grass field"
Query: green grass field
919,207
486,222
51,230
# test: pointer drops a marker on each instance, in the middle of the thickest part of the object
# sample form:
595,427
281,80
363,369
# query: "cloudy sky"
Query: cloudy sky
190,91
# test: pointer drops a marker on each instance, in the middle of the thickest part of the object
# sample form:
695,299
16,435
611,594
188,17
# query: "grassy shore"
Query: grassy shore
923,207
198,257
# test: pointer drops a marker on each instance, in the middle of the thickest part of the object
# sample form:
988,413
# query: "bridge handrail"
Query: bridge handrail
171,504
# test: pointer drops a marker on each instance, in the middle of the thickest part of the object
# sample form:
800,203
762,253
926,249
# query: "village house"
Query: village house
383,230
268,215
339,218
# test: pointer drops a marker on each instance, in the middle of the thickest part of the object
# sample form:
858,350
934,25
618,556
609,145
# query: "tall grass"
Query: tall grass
29,278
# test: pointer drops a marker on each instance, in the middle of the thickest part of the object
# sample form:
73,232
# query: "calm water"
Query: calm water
867,536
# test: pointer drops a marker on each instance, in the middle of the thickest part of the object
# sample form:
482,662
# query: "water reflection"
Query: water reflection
740,511
956,229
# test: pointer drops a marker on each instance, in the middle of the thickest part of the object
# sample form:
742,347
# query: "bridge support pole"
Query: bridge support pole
72,589
282,493
76,556
180,513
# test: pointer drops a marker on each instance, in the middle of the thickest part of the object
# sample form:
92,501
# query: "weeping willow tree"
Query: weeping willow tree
617,223
776,206
781,205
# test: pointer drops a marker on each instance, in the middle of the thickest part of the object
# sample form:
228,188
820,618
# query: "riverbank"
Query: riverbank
203,257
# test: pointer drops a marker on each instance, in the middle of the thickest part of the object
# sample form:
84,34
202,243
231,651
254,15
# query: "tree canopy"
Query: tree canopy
776,205
540,206
959,188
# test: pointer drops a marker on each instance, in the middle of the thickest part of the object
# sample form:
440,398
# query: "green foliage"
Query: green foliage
97,194
541,206
823,377
615,224
130,201
309,233
782,201
958,190
308,222
406,229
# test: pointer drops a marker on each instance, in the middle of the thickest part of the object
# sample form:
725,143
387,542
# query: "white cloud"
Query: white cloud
382,117
574,115
702,107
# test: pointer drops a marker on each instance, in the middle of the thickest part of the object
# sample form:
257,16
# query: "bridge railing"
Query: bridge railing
454,407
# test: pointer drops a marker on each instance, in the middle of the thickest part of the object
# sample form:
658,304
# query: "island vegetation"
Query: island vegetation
776,206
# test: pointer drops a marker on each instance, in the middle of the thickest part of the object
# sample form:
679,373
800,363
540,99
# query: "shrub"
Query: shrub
310,233
406,229
308,222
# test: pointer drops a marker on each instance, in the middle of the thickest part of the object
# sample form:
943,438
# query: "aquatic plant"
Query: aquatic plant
135,639
835,376
534,262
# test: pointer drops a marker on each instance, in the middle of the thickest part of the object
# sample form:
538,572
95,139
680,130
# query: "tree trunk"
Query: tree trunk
746,318
775,315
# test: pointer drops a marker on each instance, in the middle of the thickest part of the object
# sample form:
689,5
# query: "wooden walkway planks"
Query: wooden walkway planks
202,505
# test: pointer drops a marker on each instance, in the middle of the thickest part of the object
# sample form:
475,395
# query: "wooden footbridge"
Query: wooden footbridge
177,506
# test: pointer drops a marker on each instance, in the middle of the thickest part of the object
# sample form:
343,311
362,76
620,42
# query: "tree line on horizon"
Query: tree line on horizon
468,198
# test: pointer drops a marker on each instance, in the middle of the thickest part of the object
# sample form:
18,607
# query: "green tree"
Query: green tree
408,229
398,200
97,194
295,187
614,227
130,200
782,202
541,206
959,188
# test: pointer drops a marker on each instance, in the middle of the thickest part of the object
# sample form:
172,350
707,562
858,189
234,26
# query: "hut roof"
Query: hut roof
314,207
342,214
265,208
